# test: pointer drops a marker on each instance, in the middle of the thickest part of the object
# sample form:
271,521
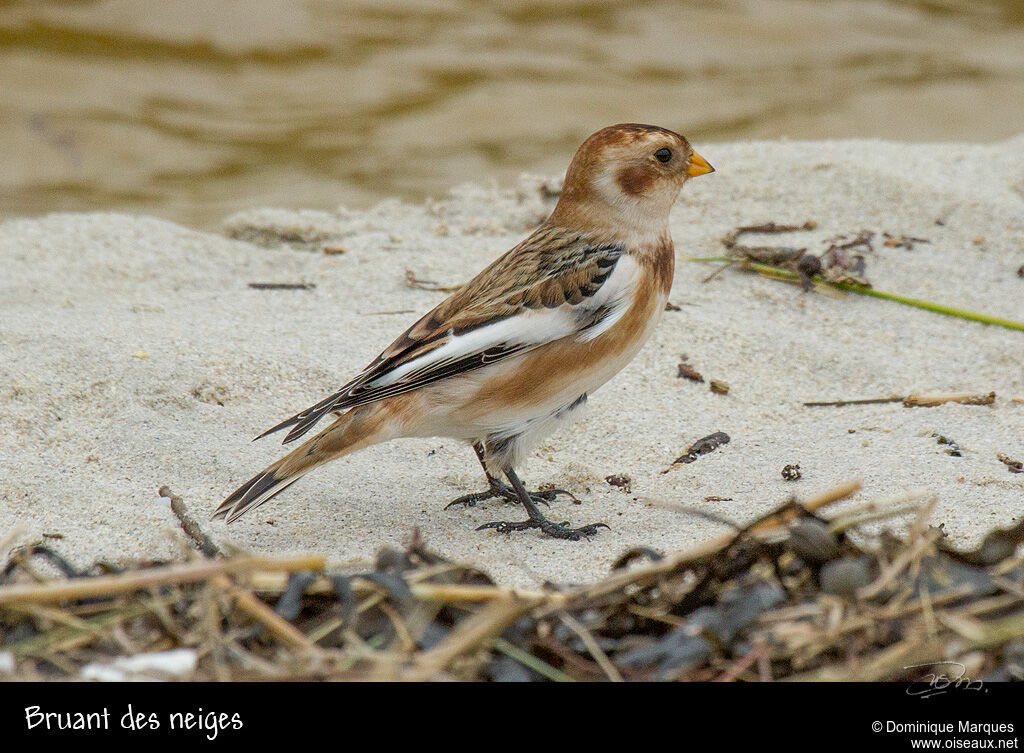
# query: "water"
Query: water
192,110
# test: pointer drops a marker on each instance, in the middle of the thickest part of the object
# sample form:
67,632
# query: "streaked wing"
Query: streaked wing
554,284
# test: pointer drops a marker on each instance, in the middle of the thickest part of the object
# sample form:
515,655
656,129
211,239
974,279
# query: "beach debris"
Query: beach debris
771,255
840,264
636,553
1020,271
21,556
813,542
415,282
1013,466
807,266
791,472
669,306
837,263
952,449
334,249
845,576
863,401
391,312
765,254
619,480
702,446
771,588
931,399
903,241
686,371
719,387
188,524
282,285
713,498
917,400
841,270
140,354
177,663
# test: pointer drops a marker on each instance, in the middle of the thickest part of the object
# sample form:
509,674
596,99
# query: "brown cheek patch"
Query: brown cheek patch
635,180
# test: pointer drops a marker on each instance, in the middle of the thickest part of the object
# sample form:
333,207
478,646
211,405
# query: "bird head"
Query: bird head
627,175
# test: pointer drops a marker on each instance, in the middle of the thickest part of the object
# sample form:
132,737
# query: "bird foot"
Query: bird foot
498,489
555,530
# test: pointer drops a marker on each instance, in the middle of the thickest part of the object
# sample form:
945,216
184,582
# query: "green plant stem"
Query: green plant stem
529,660
938,308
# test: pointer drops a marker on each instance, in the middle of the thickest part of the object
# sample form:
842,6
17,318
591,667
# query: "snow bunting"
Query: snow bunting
516,350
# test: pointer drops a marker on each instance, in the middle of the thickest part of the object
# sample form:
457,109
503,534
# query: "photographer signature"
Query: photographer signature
936,683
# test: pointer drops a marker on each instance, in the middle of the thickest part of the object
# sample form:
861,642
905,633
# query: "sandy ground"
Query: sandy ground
135,355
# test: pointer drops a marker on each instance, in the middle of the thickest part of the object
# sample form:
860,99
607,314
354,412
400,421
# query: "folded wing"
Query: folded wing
553,285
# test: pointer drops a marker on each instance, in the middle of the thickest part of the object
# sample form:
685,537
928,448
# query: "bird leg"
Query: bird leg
500,489
556,530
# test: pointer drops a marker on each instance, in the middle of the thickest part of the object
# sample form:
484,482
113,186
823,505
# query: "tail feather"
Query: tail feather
306,419
253,493
352,431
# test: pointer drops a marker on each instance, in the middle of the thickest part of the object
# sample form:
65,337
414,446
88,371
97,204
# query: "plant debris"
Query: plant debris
415,282
917,400
953,448
766,254
702,446
903,241
790,595
686,371
836,271
931,399
620,480
791,472
719,387
835,264
188,524
1013,466
282,285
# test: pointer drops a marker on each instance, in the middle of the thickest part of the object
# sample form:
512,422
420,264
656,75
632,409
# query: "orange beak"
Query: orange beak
698,166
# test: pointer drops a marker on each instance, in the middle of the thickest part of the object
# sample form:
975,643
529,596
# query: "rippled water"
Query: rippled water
191,110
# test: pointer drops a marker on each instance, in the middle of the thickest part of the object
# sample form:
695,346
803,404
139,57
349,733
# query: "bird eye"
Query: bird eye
663,155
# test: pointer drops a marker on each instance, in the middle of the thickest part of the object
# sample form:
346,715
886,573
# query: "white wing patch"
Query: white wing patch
531,328
615,295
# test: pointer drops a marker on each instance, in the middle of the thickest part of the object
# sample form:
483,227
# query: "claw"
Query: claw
470,500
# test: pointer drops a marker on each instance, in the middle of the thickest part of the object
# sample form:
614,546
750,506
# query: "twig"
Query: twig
282,285
931,399
415,282
866,401
189,525
489,621
917,400
275,623
924,539
532,662
740,666
107,585
595,650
